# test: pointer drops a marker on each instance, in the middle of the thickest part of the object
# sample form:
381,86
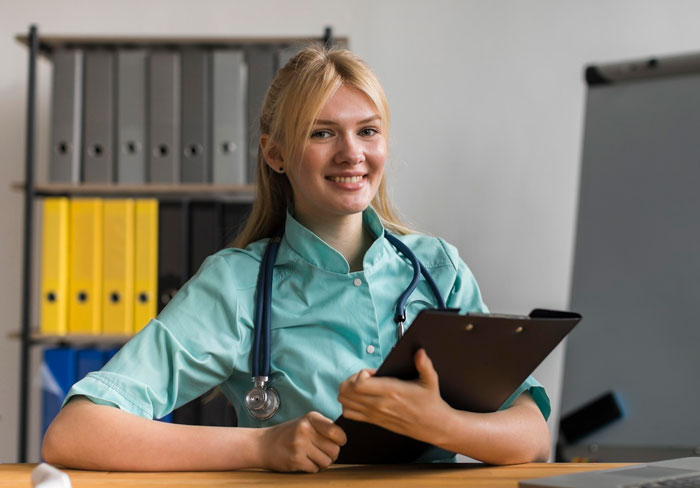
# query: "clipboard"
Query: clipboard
481,359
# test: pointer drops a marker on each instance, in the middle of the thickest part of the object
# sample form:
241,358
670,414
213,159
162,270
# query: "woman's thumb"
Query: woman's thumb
426,370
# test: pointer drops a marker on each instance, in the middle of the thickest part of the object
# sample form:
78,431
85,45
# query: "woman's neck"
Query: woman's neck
346,235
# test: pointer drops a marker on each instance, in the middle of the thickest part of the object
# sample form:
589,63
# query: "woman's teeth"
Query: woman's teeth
345,179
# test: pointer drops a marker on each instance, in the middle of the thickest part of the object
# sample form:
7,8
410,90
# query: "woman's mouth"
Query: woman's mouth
345,179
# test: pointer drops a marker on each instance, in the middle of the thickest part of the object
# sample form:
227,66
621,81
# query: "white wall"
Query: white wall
487,100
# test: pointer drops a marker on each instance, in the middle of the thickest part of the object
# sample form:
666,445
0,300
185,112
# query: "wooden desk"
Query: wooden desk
403,476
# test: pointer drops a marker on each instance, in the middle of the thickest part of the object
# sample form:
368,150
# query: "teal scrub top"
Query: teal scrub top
327,324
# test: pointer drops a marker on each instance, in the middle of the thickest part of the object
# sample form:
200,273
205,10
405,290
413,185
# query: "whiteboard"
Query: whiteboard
636,276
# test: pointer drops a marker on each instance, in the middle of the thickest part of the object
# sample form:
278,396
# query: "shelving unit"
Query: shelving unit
36,337
30,336
234,193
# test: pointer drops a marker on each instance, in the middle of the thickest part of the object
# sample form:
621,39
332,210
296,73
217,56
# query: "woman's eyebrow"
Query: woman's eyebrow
330,122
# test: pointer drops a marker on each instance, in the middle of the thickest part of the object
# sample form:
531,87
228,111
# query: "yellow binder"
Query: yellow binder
54,267
146,259
85,248
118,267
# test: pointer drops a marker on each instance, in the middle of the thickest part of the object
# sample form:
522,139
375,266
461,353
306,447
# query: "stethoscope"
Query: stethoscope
262,400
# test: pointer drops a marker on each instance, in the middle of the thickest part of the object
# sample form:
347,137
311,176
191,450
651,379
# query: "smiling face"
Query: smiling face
343,161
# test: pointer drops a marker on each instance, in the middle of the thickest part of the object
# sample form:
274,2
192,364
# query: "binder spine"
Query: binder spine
146,262
118,266
204,233
164,117
284,54
98,127
54,266
85,311
58,371
195,162
171,251
261,71
229,87
89,360
131,116
66,116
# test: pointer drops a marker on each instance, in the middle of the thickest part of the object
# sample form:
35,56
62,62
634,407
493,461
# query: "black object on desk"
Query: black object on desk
481,359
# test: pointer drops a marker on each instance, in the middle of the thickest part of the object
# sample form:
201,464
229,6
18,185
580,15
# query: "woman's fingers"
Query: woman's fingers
372,386
308,443
426,371
324,441
318,459
327,447
355,414
327,428
352,404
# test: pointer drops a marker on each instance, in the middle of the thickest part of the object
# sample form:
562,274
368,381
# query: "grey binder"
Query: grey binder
195,117
229,148
284,54
261,71
66,116
164,117
131,116
98,126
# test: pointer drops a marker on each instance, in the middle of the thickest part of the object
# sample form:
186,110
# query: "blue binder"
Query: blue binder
58,373
89,360
109,353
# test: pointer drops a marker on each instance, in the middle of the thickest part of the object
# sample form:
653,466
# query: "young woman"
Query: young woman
335,283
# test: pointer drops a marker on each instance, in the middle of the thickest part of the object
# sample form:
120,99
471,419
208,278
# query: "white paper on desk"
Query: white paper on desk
46,476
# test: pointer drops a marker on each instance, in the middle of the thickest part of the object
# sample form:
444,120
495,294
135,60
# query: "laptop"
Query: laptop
684,472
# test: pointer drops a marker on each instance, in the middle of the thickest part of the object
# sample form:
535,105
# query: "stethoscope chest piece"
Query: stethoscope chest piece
262,401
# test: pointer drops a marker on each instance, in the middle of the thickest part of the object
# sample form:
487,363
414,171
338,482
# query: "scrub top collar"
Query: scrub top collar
316,251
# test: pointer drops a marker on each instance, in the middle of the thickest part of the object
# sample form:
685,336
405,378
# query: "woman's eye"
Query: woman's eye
320,134
369,131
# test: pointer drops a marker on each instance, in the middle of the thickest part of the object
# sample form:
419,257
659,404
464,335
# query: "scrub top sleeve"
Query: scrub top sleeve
188,349
465,296
537,392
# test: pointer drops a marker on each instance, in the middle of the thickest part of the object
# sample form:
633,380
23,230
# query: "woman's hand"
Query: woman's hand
412,408
309,443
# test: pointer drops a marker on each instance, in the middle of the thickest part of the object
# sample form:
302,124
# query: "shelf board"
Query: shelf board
49,42
243,193
36,337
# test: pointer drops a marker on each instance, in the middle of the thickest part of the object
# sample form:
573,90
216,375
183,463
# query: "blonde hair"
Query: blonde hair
291,106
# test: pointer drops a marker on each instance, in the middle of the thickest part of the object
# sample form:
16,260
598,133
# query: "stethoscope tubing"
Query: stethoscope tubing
418,269
262,343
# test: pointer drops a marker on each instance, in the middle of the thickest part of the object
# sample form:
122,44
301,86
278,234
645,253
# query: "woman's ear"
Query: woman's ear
272,153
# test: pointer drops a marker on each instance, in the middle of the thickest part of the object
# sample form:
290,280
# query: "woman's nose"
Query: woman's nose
349,151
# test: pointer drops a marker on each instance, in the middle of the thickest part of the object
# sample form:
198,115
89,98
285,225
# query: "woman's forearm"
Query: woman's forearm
90,436
518,434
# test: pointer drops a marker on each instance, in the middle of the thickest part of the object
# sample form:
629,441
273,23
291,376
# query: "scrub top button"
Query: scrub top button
370,349
357,282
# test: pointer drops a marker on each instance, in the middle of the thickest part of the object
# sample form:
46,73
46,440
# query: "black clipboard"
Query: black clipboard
481,359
